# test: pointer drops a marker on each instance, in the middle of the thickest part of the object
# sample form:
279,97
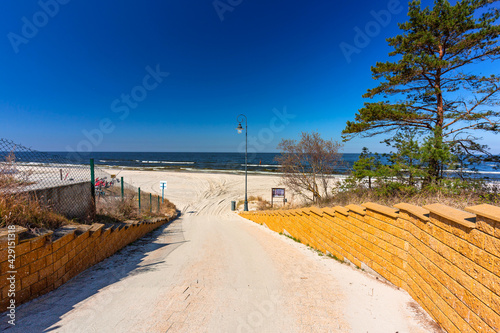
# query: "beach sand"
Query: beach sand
197,190
213,271
205,193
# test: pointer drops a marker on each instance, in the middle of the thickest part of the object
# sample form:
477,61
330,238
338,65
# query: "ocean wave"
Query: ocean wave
164,162
46,164
472,171
263,165
231,171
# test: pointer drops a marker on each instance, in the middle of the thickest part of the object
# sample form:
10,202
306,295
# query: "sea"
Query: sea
262,163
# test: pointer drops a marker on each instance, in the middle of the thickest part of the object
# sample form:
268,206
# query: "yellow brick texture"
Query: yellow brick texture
448,260
43,265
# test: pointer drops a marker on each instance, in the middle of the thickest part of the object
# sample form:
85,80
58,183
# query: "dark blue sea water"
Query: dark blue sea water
259,162
223,162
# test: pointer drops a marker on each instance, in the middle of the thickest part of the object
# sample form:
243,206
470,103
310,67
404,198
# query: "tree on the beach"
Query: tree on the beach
308,165
431,84
366,166
406,163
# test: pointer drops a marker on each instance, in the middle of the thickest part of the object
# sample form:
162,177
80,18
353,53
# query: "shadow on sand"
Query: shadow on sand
43,313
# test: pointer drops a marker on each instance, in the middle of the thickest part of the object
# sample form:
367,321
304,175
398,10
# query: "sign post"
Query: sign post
277,193
163,186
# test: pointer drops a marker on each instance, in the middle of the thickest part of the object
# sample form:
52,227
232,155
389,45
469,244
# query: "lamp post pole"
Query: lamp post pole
239,128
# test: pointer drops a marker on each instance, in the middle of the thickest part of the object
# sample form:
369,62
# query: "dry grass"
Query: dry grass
457,199
23,210
112,205
261,203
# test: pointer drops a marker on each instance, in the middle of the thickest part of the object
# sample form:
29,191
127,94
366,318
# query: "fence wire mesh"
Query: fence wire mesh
34,184
33,179
117,198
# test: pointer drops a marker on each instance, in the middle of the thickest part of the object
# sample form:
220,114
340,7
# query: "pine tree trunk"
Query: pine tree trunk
433,174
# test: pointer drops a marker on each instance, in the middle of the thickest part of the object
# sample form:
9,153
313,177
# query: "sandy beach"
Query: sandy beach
213,271
203,192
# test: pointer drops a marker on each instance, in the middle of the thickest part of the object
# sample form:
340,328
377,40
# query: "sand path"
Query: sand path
212,271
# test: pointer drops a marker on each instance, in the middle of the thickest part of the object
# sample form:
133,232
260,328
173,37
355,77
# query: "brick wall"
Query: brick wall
447,259
43,265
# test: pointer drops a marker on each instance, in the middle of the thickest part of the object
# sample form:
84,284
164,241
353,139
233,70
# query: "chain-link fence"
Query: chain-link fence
34,184
118,199
45,190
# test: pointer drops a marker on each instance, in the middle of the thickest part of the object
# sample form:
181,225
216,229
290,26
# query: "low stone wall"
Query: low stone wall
42,265
447,259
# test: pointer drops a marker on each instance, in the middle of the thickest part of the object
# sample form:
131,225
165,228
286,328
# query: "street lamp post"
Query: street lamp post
240,129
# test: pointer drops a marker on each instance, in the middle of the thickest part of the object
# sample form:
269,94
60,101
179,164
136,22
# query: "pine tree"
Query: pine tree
366,166
430,86
407,161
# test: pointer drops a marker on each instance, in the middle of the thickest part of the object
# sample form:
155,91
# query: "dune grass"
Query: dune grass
21,209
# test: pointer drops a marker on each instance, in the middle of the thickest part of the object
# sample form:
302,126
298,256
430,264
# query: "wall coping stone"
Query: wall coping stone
421,213
489,211
458,216
5,231
391,212
342,210
95,227
306,211
357,209
316,210
329,211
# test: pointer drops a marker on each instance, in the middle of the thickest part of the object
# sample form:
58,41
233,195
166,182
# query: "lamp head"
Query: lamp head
239,128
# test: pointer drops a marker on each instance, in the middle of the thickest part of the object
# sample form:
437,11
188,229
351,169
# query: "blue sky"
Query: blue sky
188,70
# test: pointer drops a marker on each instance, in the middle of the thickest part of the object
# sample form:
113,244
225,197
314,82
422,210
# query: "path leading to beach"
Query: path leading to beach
212,271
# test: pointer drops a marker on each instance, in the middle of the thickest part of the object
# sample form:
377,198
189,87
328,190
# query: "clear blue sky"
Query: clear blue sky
69,72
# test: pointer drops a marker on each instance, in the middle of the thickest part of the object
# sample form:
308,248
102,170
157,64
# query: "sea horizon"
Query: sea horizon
231,162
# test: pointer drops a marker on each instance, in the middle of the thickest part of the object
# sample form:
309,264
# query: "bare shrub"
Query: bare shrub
308,165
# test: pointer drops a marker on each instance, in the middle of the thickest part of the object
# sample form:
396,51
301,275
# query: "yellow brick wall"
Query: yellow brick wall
43,265
448,260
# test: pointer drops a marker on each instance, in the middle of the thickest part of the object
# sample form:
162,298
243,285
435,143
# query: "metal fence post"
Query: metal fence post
158,204
92,180
139,189
121,183
150,203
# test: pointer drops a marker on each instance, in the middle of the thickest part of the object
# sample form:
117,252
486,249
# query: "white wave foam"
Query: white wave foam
263,165
471,171
165,162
